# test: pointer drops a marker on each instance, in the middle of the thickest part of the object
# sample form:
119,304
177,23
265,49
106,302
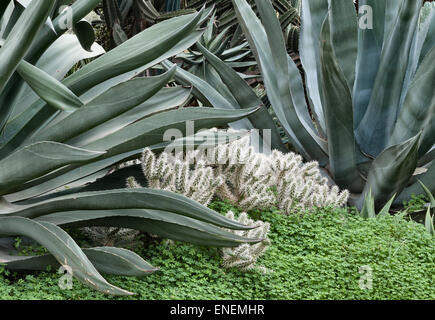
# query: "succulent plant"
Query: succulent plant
60,134
368,114
245,256
237,173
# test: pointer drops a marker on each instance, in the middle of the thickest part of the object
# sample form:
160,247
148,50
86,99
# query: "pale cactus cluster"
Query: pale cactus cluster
235,172
246,255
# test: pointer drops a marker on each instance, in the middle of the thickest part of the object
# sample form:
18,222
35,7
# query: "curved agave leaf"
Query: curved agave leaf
151,130
38,159
179,35
57,60
344,36
337,105
108,105
378,122
313,15
20,39
62,247
164,100
92,171
391,170
418,110
107,260
245,96
427,178
163,223
48,88
370,40
124,199
85,34
267,44
428,223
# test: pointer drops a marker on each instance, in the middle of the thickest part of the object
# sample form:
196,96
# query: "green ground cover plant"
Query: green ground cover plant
316,255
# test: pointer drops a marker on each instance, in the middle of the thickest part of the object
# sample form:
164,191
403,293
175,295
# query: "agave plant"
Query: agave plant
60,133
370,91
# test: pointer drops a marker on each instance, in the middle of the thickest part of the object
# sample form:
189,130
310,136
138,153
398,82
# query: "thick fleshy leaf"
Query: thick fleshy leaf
39,112
38,159
370,41
57,60
142,198
428,178
62,247
391,170
337,105
344,36
163,223
85,34
313,15
428,223
418,110
21,37
151,130
90,172
48,88
18,43
107,260
245,96
108,105
378,122
164,100
268,46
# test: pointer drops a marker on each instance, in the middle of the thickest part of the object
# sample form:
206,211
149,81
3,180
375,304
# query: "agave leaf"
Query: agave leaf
415,56
313,15
39,113
18,43
150,130
427,178
378,122
48,88
429,194
62,247
107,260
386,209
142,198
368,209
163,223
20,39
3,7
391,170
164,100
245,96
135,52
74,173
344,36
268,46
38,159
428,223
108,105
429,41
85,34
418,110
370,40
57,60
337,103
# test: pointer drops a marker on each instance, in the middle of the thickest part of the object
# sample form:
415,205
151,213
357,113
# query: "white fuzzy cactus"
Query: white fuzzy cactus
246,255
249,179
